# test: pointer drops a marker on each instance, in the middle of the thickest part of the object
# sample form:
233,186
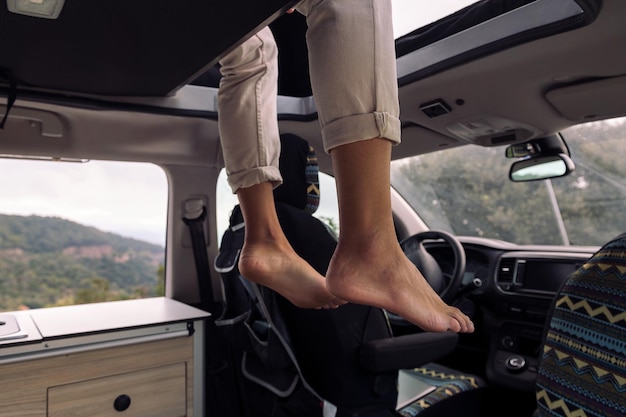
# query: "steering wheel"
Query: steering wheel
447,286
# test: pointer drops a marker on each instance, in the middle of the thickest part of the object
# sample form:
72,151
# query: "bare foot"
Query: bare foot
281,269
382,276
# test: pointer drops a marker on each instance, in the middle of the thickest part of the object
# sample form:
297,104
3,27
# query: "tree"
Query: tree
466,191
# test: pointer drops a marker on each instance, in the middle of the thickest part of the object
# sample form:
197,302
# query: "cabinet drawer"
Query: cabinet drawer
154,392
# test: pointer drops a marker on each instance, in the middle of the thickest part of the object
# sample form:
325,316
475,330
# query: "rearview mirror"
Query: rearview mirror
541,168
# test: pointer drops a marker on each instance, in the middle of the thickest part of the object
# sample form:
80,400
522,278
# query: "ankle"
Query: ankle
368,245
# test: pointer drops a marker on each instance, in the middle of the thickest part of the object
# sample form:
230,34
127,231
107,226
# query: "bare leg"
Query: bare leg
268,259
250,143
369,266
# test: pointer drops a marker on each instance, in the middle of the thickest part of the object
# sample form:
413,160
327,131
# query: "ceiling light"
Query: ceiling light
47,9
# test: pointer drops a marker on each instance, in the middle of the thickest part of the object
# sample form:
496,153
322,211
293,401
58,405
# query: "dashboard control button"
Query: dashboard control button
508,342
515,363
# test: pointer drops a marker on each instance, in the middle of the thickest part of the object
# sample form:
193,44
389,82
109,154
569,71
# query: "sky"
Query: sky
130,199
120,197
411,14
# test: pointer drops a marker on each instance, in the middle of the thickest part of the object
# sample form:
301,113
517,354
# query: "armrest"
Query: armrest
407,351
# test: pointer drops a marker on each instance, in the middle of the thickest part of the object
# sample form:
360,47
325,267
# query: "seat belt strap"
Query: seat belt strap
194,217
12,94
218,365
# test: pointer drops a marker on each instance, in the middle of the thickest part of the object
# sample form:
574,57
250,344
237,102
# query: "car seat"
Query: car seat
346,356
582,371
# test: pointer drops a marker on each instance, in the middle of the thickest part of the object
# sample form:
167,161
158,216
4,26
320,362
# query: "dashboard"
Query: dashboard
508,291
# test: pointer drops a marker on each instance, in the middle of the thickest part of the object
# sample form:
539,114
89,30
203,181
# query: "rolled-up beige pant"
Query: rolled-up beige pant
353,76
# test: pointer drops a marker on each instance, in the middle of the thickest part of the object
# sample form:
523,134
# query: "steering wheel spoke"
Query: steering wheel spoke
446,285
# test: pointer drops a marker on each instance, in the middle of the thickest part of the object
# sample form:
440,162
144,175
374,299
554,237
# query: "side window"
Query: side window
80,232
328,210
225,202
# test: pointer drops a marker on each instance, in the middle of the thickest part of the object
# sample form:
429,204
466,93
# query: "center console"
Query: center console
514,356
526,284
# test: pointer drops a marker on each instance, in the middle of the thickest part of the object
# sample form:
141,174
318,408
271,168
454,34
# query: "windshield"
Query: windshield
466,191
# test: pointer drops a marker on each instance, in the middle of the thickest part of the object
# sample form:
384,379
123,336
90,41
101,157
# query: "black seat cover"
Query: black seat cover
327,342
346,355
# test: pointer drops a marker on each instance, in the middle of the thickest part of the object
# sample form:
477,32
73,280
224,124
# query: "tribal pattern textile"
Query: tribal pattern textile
583,366
312,179
448,383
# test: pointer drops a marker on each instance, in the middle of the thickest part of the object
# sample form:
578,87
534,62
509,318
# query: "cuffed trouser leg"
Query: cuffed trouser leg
353,69
248,121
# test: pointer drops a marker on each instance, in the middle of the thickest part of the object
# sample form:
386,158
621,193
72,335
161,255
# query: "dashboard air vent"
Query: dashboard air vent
506,271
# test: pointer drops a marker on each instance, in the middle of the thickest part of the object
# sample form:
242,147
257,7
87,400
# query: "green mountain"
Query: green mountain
48,261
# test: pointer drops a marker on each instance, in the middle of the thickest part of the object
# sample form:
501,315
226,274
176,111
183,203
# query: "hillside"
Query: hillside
46,261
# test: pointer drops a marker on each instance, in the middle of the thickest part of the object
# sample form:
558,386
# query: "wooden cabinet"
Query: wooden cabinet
159,392
150,370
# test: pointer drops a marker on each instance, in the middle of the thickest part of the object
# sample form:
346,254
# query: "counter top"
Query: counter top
43,329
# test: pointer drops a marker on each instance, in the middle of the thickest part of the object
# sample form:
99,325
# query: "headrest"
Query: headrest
298,166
